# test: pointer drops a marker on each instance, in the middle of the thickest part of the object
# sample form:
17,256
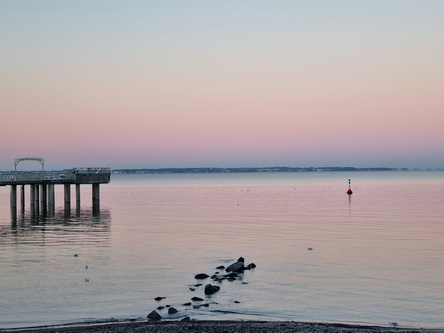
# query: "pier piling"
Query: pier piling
42,192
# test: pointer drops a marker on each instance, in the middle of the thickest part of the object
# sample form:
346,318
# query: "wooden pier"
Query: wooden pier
41,187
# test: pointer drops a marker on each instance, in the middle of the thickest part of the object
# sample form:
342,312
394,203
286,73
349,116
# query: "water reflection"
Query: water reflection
78,225
349,207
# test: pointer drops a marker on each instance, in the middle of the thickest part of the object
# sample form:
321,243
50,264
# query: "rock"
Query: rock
172,310
241,259
160,307
192,289
232,275
154,315
210,289
197,299
186,319
238,266
187,304
220,267
201,276
252,265
159,298
218,277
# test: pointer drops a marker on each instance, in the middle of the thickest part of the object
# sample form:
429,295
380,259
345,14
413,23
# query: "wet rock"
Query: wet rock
238,266
201,276
197,299
210,289
220,267
252,265
185,318
159,298
172,310
192,289
186,304
154,315
160,307
218,277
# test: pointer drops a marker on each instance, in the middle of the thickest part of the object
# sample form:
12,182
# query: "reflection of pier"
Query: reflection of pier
41,184
60,229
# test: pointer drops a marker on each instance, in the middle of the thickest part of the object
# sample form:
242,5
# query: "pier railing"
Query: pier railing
74,176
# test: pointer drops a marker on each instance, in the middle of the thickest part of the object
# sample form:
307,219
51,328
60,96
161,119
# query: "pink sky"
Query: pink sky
139,84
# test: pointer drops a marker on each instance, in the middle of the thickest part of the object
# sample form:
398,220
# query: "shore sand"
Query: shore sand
222,327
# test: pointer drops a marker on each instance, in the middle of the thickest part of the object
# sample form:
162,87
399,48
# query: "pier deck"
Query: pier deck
74,176
42,184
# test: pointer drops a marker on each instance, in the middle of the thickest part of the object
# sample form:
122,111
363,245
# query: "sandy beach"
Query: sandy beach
222,327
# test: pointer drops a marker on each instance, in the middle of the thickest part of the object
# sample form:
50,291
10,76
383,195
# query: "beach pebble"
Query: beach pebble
201,276
197,299
159,298
154,315
172,310
210,289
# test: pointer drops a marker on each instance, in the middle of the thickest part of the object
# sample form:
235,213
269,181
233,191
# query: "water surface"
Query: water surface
371,258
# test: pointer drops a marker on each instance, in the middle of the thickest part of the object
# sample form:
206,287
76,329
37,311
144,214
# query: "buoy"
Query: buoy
349,191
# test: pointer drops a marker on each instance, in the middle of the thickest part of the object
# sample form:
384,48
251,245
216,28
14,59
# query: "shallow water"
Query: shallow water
376,256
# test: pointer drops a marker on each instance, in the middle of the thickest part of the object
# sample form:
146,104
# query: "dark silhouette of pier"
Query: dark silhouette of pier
41,186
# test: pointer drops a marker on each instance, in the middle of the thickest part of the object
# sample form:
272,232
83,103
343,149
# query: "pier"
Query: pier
41,186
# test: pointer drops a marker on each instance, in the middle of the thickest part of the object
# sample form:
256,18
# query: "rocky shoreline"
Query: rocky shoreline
222,327
167,319
234,272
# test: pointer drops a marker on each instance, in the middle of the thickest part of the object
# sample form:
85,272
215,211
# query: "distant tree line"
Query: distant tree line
250,169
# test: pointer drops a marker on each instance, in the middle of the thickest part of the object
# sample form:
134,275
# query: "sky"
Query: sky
152,84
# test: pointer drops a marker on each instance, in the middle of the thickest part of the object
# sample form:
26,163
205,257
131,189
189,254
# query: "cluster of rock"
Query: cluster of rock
232,272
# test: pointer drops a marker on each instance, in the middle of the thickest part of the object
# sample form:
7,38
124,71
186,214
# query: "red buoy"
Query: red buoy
349,191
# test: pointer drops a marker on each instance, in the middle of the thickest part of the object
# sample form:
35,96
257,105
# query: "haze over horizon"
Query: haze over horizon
157,84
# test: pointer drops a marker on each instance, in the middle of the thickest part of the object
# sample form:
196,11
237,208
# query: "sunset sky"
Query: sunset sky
149,84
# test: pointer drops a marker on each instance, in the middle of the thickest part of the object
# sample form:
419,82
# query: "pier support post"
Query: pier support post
78,200
37,198
67,191
43,197
13,199
32,199
22,197
51,200
96,198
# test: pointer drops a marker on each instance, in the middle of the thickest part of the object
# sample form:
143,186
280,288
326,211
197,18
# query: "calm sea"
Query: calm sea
374,257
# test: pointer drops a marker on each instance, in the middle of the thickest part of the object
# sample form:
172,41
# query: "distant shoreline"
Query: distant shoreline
250,170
